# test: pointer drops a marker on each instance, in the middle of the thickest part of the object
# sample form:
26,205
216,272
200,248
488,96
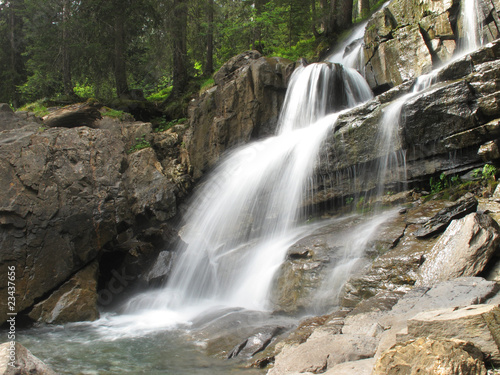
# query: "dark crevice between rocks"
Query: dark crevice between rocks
436,61
453,18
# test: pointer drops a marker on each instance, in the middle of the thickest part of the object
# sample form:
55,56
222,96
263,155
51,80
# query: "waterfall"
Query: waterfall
471,26
241,223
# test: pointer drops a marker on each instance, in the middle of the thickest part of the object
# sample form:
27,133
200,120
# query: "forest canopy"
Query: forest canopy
71,50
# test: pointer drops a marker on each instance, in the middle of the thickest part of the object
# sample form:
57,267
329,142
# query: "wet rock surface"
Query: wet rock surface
464,249
457,115
443,218
75,301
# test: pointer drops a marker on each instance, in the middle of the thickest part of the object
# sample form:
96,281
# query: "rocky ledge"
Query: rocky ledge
414,303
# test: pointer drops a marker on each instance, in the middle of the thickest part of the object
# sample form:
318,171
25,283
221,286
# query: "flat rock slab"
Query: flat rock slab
460,292
322,351
479,324
361,367
429,356
463,250
465,205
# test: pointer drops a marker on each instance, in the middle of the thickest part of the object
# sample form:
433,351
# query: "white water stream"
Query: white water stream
242,221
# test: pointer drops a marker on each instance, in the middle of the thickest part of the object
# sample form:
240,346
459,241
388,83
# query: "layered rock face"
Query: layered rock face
73,196
244,104
408,38
437,130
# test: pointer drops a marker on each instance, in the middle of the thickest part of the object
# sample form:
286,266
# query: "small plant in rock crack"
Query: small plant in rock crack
141,143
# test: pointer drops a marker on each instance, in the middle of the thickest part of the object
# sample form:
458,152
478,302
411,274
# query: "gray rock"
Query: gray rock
478,324
321,352
74,301
69,195
24,363
360,367
489,151
244,105
256,343
463,250
438,223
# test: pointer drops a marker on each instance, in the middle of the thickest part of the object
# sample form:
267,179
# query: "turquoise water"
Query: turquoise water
83,349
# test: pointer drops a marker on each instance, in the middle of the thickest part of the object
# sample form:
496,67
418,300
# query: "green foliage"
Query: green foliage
304,48
93,35
444,182
161,124
141,143
161,91
489,171
84,90
38,108
208,83
349,200
114,113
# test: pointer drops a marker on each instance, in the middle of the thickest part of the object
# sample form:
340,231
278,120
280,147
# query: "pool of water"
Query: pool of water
84,348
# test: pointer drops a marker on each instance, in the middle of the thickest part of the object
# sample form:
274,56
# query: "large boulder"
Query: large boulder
58,204
244,104
409,38
430,356
321,352
478,324
74,195
74,301
457,115
463,250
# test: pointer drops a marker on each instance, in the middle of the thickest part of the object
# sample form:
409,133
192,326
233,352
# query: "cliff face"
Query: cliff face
409,38
243,105
438,130
75,196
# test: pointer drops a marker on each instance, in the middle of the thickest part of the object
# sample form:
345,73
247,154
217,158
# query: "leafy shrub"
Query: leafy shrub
38,108
443,182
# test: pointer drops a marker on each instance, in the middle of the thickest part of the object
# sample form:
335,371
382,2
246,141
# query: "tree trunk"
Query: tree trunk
120,70
344,11
209,65
180,76
333,17
314,17
324,11
68,87
364,8
257,38
15,41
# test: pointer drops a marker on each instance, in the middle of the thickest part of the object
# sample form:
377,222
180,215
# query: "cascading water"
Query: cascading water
237,232
472,28
388,139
